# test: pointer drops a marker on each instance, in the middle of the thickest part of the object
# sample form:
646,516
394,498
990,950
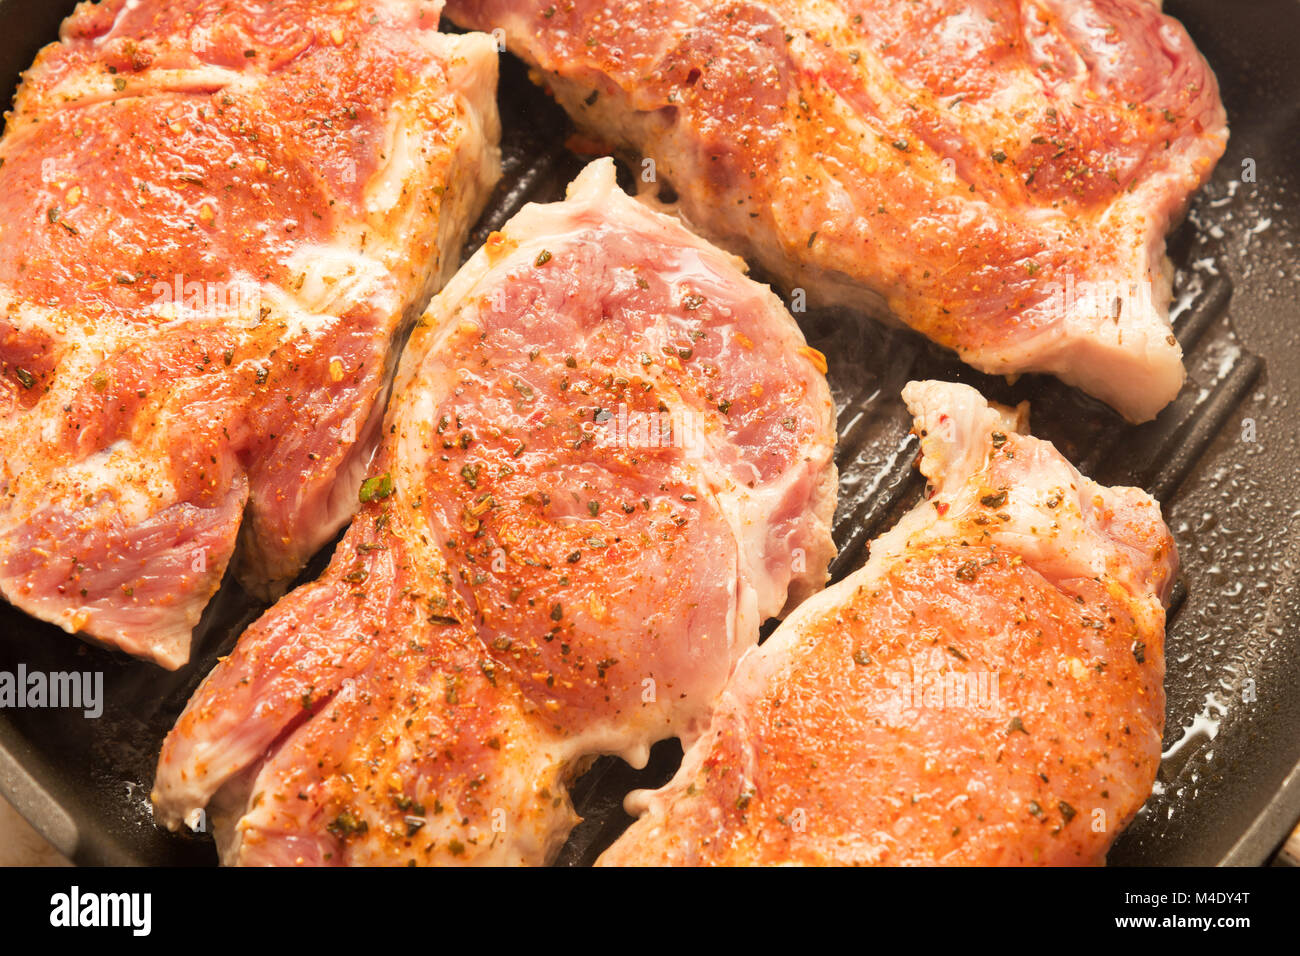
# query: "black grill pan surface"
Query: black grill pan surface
1223,459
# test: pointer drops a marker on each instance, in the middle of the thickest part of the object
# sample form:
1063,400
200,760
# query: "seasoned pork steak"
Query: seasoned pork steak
998,174
607,460
215,219
987,690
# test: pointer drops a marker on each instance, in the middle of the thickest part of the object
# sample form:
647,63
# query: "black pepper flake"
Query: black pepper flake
1140,652
996,500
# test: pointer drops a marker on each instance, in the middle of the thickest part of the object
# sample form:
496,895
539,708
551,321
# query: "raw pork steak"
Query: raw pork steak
216,219
988,689
607,459
997,174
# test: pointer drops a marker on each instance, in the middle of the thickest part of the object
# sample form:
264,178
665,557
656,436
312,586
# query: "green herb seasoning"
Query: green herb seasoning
376,488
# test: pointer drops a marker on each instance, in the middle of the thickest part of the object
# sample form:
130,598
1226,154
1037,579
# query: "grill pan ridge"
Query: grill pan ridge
1223,459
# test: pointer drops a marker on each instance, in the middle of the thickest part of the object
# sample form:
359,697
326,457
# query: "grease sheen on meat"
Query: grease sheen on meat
607,459
999,174
215,218
987,690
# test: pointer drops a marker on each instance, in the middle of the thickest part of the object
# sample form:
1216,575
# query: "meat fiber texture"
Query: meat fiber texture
986,690
998,174
219,218
608,458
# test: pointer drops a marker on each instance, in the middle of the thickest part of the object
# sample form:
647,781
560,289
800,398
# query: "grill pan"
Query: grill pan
1223,459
